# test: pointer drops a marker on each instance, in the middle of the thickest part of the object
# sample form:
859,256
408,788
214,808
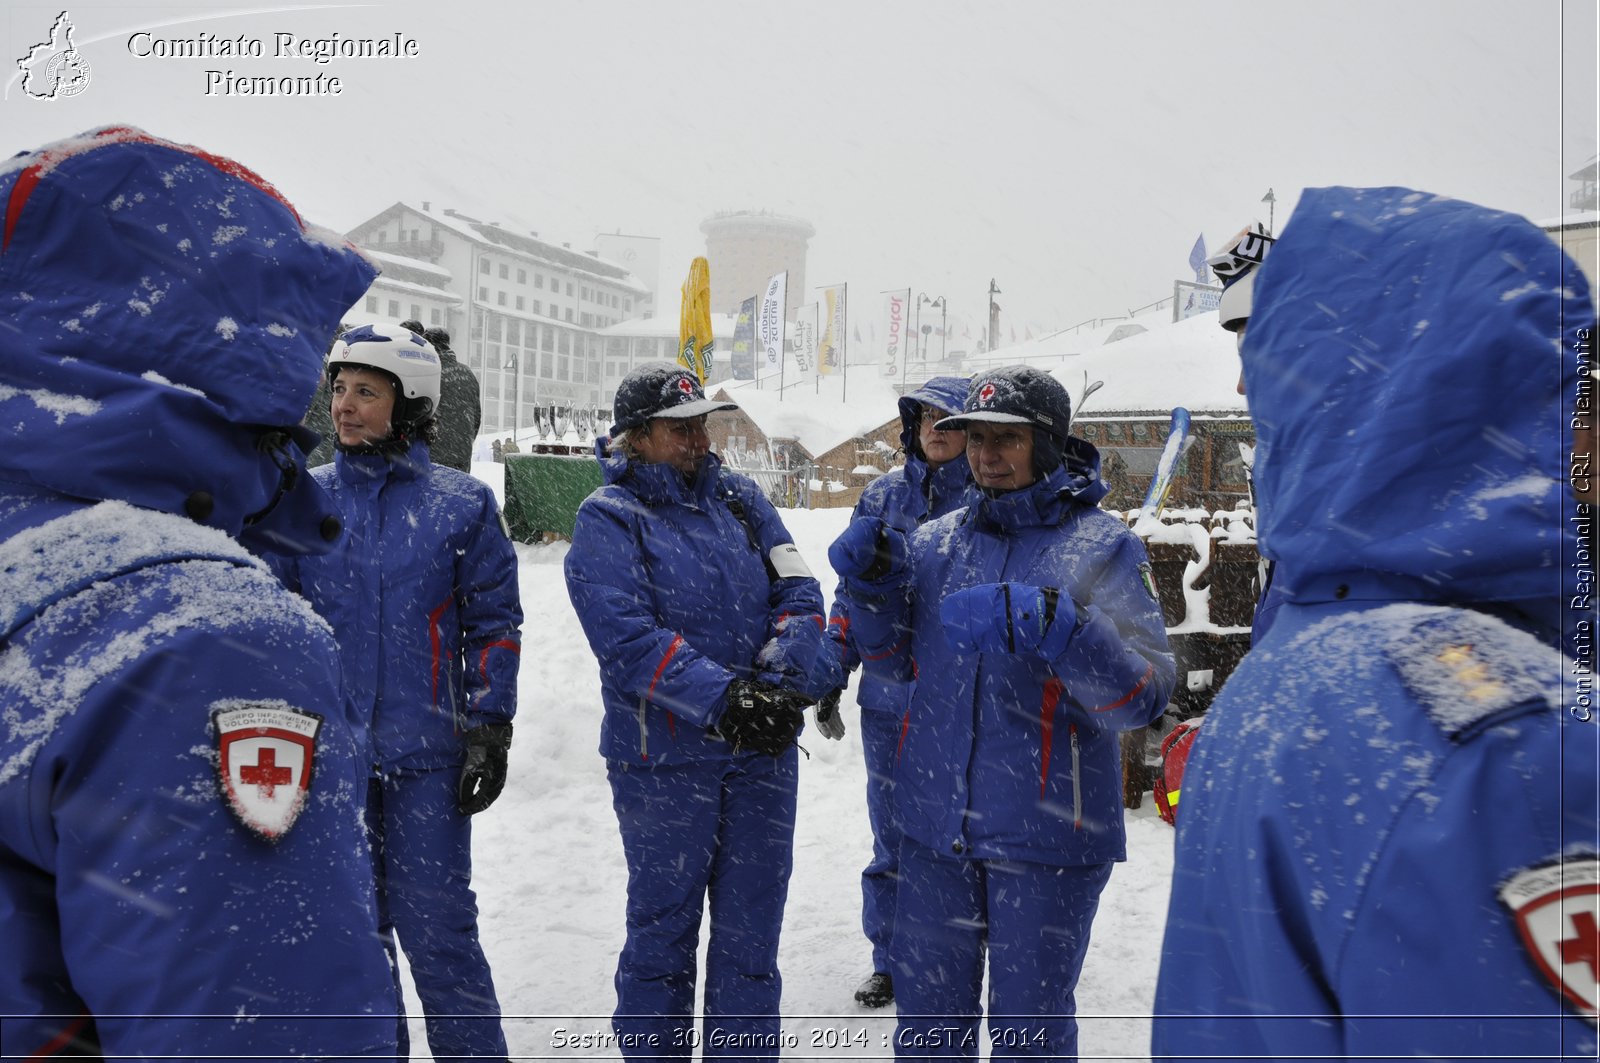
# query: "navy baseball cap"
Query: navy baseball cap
661,389
1016,394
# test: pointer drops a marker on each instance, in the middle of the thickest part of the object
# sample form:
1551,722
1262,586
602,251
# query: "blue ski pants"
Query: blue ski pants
422,855
1033,921
880,739
722,829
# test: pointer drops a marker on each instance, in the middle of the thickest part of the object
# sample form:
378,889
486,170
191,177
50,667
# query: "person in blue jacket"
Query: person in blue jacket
183,872
422,594
933,481
1390,843
1028,630
709,632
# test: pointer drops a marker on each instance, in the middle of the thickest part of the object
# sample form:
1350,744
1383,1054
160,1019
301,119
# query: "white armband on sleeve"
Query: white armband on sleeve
787,562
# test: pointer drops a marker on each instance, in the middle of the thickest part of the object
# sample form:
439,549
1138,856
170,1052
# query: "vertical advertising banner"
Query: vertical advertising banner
769,327
832,357
805,340
894,312
743,361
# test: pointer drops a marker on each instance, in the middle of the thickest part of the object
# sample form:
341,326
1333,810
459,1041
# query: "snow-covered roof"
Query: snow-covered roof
384,258
818,414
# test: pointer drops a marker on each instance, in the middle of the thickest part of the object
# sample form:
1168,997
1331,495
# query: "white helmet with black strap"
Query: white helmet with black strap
403,355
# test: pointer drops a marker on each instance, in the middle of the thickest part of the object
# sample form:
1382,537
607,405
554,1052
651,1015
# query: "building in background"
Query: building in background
746,248
524,313
639,255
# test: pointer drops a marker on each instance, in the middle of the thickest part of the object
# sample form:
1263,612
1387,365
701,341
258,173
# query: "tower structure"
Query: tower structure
746,247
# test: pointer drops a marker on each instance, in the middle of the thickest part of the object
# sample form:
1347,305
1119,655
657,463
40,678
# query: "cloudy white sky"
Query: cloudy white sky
1070,150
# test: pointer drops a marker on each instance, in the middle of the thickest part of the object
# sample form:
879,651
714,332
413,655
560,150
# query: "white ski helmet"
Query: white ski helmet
401,353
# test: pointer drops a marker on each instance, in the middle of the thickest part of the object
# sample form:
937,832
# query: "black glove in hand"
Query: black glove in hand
829,722
483,772
761,718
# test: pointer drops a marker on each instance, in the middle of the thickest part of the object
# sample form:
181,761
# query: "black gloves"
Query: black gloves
483,772
829,722
761,718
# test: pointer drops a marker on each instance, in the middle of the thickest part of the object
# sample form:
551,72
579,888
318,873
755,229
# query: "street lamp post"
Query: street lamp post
994,315
516,400
943,317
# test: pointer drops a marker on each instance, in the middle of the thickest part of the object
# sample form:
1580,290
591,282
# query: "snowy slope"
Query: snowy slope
550,875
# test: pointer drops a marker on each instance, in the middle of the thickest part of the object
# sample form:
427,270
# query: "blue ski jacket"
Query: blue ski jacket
905,498
673,592
1388,841
183,869
1012,756
422,591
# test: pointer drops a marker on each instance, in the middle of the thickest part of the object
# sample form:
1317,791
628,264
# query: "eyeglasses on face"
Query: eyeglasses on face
932,416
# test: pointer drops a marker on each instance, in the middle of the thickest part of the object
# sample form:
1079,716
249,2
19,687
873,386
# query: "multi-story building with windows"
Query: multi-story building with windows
524,313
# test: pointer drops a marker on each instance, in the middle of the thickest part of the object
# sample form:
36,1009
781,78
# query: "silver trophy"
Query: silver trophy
563,421
541,416
585,421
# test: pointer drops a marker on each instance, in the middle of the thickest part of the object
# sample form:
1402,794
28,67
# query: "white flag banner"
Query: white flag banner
805,340
769,326
894,312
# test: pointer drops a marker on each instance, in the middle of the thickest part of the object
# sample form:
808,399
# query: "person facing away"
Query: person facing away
422,595
1027,630
460,409
182,867
1389,839
709,632
933,481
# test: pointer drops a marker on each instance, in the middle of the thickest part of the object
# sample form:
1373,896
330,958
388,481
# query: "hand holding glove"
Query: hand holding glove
483,772
829,722
1009,618
869,551
762,718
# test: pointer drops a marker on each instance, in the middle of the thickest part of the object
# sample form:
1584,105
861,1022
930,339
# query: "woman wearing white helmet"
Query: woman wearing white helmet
422,595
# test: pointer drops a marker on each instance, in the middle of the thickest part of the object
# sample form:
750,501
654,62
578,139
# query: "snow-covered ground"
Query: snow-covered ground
550,875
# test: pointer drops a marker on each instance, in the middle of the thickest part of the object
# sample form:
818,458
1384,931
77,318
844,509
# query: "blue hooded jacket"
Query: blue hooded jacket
1389,776
905,498
673,592
163,308
1013,756
422,592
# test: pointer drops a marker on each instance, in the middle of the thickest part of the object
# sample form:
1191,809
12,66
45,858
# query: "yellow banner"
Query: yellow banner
694,321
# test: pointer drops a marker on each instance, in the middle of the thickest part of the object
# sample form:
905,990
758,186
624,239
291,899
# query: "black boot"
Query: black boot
877,991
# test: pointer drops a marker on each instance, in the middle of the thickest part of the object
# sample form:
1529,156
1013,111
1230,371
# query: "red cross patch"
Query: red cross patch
686,386
266,755
1557,909
986,394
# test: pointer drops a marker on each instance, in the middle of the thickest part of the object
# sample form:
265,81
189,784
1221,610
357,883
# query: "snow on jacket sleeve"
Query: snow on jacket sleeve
612,595
140,885
490,614
798,652
1117,668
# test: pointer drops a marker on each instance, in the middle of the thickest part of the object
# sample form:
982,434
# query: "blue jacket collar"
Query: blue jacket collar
358,469
660,484
1073,485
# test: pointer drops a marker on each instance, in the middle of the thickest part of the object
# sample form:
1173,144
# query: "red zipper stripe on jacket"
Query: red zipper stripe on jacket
677,640
29,179
905,720
1144,681
1047,727
436,641
68,1034
483,660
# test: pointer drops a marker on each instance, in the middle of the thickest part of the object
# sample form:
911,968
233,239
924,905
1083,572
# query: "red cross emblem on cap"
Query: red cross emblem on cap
686,386
986,394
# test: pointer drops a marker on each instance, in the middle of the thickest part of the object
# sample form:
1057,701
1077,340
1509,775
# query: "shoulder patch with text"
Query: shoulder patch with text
1557,911
266,761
